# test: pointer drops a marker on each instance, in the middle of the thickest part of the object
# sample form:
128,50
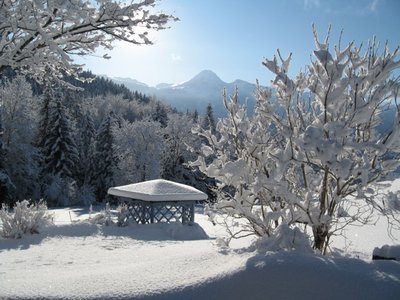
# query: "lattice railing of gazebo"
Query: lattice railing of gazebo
145,212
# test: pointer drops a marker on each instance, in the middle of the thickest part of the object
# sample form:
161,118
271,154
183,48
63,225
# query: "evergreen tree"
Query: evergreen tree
4,178
105,159
86,148
6,186
160,115
73,103
44,113
195,116
209,121
60,151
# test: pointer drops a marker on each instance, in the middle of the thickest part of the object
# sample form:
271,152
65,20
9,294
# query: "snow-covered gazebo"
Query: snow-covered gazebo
159,200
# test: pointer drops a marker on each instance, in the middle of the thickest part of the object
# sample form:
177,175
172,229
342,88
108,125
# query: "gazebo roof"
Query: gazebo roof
158,190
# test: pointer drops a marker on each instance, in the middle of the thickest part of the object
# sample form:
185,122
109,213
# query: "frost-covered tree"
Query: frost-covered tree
42,35
181,146
102,106
105,159
18,134
310,156
140,148
178,137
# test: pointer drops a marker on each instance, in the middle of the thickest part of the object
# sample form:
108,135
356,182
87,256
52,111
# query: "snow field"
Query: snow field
77,260
87,261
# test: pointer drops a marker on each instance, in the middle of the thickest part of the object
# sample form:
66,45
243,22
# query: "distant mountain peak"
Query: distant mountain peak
206,79
206,75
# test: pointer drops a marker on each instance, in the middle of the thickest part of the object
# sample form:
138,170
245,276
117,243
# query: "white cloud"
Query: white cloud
312,3
175,57
349,7
373,6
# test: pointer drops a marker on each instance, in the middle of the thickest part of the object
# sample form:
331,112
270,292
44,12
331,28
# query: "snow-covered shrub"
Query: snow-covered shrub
24,219
123,214
312,143
104,217
285,239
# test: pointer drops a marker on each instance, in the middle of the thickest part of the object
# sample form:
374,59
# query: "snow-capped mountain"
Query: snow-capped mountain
206,87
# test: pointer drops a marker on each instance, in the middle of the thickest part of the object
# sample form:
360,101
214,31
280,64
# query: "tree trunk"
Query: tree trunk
321,234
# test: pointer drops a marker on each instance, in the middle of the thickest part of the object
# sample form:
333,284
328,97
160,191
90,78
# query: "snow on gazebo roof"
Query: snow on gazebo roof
158,190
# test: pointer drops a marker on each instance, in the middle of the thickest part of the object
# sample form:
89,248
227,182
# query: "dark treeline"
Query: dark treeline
88,85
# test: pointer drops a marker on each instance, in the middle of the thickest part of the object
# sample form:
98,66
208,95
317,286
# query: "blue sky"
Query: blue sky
233,37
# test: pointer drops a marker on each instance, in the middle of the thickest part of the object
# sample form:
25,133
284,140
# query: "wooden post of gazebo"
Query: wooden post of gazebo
159,201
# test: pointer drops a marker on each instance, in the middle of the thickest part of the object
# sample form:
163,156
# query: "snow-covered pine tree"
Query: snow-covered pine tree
81,110
105,159
6,186
57,147
44,114
195,116
86,148
208,122
60,151
160,114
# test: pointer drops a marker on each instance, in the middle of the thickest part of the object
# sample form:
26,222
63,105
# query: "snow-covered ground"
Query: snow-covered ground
171,261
